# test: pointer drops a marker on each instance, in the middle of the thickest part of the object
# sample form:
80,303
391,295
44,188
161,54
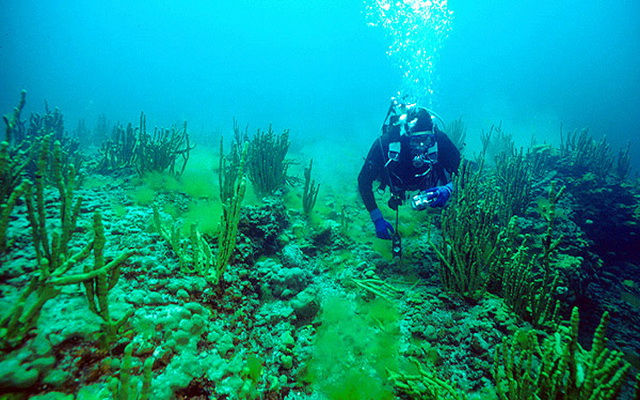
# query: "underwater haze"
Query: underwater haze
320,69
142,257
536,64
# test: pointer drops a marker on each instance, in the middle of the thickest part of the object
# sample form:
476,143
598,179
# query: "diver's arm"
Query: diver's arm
448,162
371,170
369,173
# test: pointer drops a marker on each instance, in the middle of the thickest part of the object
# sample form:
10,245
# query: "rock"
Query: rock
16,374
479,345
287,340
41,346
195,308
292,256
53,396
57,378
305,307
287,361
153,298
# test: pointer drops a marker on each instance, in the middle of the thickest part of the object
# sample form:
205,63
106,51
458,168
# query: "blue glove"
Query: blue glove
440,195
384,229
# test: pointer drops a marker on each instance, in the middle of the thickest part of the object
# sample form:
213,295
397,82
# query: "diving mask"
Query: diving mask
422,141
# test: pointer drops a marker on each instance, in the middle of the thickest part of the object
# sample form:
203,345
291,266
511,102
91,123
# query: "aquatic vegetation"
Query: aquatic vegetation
49,127
457,132
229,166
310,191
165,150
49,123
266,163
46,283
99,279
557,367
467,250
424,384
13,158
530,276
52,249
54,257
515,280
143,152
6,208
15,132
495,143
623,163
514,182
19,153
12,187
586,154
257,307
482,249
197,256
229,230
125,386
367,336
605,203
118,150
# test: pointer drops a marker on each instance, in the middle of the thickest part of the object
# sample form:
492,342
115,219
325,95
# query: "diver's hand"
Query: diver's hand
384,229
439,195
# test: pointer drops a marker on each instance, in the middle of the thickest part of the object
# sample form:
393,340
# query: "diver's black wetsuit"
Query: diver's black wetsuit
401,175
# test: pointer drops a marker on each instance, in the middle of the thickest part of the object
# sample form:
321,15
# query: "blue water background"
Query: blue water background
317,68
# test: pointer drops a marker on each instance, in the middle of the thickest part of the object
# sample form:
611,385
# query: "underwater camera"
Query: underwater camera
422,200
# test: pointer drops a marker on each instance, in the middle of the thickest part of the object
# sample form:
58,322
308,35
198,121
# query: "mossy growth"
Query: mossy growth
199,181
118,209
410,221
206,214
342,259
292,200
146,187
200,184
383,247
95,181
251,197
355,346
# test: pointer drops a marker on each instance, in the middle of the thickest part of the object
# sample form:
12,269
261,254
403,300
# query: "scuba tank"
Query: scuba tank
394,126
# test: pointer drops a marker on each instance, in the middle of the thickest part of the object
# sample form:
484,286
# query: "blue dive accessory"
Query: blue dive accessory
384,229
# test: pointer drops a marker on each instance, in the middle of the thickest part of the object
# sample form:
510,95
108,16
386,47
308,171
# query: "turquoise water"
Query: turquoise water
311,305
320,69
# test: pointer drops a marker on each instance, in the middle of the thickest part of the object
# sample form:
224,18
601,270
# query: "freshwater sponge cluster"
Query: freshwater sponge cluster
147,268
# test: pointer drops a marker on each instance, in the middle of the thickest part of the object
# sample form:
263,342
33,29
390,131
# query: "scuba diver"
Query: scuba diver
411,155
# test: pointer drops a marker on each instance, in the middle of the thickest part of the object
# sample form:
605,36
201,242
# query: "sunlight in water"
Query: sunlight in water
417,29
